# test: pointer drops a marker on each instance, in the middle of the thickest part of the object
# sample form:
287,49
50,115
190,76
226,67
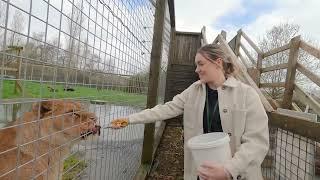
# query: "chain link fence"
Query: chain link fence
67,68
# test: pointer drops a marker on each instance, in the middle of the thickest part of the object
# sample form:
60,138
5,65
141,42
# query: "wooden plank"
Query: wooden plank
182,61
172,13
296,107
291,72
179,77
216,40
188,33
224,34
244,74
272,85
8,69
306,99
301,115
274,67
254,73
248,54
312,76
232,44
295,125
243,60
275,104
259,67
307,108
203,36
155,63
310,49
185,48
238,41
276,50
252,44
172,49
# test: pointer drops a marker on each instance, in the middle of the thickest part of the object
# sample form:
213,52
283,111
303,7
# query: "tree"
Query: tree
17,25
2,18
277,36
74,30
2,13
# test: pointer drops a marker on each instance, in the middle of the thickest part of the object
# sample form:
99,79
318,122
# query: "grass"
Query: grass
74,166
37,90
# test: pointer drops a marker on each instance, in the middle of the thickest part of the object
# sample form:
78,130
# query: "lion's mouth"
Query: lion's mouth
96,129
93,131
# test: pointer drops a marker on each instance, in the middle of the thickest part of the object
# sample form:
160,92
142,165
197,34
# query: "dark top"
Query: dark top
215,120
213,113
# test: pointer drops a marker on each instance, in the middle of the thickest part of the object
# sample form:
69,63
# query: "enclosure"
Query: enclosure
68,67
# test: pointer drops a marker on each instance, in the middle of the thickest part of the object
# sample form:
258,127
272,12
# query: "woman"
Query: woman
217,102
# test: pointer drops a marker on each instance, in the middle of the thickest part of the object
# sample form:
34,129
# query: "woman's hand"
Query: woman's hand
119,123
213,171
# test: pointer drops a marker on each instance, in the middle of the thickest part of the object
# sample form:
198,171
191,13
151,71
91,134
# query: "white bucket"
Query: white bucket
210,147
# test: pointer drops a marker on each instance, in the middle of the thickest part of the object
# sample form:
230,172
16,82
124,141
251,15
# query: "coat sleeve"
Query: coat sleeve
163,111
255,139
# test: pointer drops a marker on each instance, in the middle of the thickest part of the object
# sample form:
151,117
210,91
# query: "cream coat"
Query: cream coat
242,117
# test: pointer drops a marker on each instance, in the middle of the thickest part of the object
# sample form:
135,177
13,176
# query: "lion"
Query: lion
35,145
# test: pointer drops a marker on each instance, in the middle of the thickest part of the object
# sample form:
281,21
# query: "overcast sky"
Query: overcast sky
253,16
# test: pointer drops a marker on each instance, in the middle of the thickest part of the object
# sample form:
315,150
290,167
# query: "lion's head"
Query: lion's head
46,132
68,119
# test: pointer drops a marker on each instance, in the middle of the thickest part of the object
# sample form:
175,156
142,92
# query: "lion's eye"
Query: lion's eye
76,115
73,114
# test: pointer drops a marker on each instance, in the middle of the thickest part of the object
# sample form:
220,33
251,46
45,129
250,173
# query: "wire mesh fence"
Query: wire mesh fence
68,67
291,156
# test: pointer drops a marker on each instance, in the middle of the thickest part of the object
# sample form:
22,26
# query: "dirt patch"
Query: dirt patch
168,163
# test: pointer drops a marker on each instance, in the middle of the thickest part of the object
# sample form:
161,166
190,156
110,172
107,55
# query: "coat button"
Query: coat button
225,110
238,177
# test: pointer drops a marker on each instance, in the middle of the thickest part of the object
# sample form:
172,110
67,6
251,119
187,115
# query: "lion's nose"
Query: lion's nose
96,129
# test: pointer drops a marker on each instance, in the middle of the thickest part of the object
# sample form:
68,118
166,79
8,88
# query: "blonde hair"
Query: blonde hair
214,51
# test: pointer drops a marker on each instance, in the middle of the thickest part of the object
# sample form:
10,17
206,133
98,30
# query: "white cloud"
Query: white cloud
303,13
192,15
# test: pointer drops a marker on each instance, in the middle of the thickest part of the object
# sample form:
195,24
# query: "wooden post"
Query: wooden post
156,53
238,41
224,34
203,37
18,87
291,72
172,56
259,67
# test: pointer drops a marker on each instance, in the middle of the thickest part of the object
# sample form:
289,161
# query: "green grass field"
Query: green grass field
36,90
72,166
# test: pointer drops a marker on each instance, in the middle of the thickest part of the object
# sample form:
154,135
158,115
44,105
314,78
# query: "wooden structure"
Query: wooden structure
284,115
181,66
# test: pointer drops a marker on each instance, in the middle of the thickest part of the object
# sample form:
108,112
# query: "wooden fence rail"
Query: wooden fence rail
292,66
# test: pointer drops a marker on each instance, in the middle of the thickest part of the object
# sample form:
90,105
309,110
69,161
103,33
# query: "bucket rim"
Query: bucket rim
205,145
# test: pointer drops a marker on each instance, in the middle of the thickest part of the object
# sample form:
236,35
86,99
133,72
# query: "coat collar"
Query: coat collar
230,82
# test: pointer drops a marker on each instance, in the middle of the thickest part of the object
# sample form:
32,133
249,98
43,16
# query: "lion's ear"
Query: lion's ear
45,106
